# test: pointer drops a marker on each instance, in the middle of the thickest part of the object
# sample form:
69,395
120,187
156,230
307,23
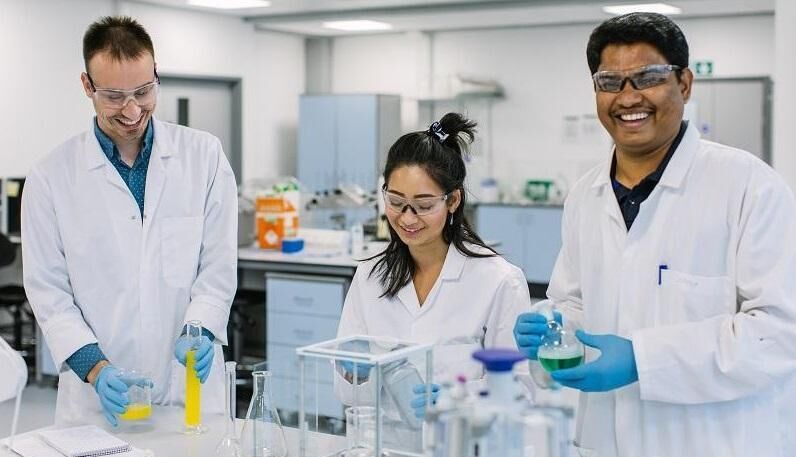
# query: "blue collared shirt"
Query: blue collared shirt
135,176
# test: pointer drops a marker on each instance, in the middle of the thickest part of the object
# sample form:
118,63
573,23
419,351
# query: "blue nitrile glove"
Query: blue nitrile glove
419,400
362,369
112,392
529,330
615,368
204,355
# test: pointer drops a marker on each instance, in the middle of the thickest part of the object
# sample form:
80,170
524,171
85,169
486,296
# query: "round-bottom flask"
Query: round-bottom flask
560,349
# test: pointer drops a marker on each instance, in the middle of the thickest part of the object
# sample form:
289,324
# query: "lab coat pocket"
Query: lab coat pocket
686,297
181,241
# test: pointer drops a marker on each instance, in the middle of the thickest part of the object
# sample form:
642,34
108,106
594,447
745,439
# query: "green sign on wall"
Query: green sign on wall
703,67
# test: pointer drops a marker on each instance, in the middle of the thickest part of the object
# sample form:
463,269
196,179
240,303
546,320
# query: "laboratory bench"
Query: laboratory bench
164,436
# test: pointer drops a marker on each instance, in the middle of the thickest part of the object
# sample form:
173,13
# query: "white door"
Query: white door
204,105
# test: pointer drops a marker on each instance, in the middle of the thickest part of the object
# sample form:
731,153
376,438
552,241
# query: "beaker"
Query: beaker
360,431
229,445
262,434
139,392
193,387
560,349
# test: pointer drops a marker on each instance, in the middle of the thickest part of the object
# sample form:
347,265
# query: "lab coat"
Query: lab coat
473,305
714,331
94,272
13,372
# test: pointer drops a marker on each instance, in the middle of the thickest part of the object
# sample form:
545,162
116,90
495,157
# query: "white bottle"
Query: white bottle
357,239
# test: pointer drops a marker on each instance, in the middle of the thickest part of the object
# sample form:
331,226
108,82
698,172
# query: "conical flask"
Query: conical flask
229,445
262,434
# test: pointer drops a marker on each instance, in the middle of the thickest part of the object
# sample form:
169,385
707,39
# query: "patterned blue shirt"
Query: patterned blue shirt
135,176
85,358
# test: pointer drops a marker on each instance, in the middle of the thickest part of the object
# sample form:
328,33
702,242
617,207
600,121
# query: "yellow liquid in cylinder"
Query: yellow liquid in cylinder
193,416
136,412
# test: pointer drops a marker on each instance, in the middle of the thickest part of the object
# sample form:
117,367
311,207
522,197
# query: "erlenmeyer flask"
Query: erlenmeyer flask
262,434
229,445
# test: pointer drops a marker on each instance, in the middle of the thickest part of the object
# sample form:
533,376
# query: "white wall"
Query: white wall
41,45
545,76
785,91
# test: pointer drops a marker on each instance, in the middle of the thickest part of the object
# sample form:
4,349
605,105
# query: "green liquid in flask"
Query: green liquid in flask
551,364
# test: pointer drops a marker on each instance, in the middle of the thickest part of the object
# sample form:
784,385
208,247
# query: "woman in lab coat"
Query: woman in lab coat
436,282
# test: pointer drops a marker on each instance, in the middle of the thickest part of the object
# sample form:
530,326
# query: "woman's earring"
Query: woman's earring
451,222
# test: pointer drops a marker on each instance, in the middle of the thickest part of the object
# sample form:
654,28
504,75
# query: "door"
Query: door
208,105
735,112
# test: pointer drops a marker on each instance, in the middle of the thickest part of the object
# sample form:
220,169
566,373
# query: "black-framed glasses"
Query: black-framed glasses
640,78
118,98
420,206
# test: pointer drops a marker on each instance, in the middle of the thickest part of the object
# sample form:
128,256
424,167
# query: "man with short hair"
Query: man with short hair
678,265
129,231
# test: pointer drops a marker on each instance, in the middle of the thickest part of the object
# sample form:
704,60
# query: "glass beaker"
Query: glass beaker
560,348
360,431
139,410
229,445
262,434
193,387
400,378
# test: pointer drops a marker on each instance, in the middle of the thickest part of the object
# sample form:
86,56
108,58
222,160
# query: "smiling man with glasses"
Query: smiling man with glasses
129,231
677,265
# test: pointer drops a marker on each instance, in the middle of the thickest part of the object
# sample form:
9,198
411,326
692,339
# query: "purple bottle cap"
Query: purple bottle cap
498,360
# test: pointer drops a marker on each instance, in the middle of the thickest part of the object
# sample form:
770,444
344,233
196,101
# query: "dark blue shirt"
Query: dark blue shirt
630,199
135,176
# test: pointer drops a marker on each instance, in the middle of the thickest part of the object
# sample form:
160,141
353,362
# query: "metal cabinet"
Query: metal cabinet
302,310
343,139
529,236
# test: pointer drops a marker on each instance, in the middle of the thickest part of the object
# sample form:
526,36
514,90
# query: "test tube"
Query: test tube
193,388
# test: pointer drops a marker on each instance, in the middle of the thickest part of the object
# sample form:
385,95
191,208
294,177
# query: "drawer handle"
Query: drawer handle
304,334
303,301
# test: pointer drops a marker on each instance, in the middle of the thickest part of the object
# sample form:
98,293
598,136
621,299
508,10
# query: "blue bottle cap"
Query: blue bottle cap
498,360
290,245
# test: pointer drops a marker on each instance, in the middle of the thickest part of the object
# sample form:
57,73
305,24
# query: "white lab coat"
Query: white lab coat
13,372
715,341
95,273
473,305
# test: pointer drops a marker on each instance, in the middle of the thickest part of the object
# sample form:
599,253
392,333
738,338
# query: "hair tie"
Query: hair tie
436,129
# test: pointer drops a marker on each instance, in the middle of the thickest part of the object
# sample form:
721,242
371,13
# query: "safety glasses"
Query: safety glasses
640,78
118,98
420,206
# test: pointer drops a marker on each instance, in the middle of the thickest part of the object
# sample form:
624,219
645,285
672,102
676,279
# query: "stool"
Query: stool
13,298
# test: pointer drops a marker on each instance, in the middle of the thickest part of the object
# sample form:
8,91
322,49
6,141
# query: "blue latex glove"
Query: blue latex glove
112,393
362,369
419,400
204,355
529,330
615,368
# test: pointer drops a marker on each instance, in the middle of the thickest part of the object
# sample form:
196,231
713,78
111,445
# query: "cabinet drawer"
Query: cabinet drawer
298,329
317,297
283,361
286,397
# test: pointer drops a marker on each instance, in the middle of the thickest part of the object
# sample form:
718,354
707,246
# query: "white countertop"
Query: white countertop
164,437
309,257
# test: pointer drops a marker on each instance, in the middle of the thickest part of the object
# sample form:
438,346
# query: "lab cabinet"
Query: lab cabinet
301,310
343,139
529,236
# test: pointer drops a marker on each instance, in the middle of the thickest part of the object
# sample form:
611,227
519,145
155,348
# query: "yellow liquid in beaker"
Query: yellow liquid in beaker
193,416
137,412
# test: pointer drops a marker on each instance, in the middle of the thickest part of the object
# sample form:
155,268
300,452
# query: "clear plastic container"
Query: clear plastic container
399,380
139,410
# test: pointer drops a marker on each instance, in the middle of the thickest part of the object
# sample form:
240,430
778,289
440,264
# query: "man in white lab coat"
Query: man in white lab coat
128,232
678,264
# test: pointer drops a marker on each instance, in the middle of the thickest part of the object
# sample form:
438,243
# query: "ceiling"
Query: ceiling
306,17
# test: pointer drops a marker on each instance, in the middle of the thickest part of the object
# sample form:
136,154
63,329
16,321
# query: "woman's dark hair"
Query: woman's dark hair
651,28
440,152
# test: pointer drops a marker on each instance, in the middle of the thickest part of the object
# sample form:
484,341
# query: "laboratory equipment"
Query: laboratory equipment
229,445
139,392
560,348
497,422
262,434
360,430
193,387
367,372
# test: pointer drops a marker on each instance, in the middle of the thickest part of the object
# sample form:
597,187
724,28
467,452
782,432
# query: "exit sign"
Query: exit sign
703,67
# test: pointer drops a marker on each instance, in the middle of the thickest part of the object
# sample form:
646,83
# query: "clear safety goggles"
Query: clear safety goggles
420,206
118,98
640,78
